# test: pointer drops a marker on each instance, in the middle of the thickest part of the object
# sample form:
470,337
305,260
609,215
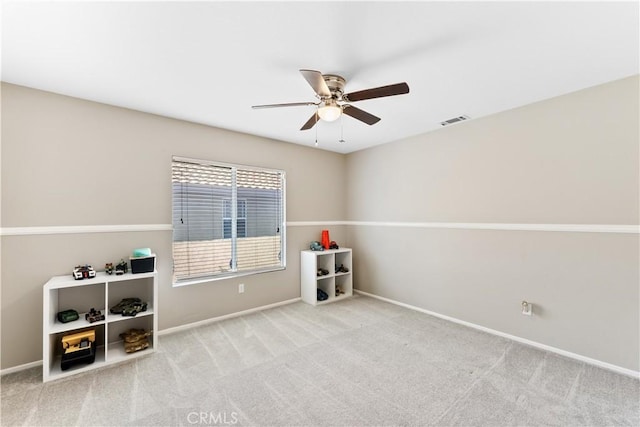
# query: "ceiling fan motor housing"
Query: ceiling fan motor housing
336,85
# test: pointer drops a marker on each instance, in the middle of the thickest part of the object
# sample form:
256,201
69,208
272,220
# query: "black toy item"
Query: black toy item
68,316
323,272
321,295
121,268
342,269
94,316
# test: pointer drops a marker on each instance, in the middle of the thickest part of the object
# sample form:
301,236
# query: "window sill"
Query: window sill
218,277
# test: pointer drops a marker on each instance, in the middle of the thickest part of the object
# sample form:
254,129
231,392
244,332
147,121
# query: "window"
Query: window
228,220
241,218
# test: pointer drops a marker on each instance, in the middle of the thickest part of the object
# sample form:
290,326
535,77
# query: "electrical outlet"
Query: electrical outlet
241,288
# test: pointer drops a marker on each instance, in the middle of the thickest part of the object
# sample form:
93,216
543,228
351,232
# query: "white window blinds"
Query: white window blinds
227,220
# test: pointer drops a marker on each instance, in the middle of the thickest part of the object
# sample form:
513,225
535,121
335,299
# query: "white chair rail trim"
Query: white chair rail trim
80,229
575,228
581,228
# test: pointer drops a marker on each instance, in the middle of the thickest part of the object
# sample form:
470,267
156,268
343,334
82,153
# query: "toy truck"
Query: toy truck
78,348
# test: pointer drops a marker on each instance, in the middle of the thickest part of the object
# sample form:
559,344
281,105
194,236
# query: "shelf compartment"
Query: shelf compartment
325,261
132,288
116,347
56,351
58,327
81,298
345,283
327,285
343,258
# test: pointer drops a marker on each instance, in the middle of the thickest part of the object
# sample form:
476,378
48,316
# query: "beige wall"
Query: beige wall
57,149
567,160
69,162
572,159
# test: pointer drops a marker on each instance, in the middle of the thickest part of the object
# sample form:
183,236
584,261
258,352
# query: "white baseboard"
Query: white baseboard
20,367
595,362
226,316
172,330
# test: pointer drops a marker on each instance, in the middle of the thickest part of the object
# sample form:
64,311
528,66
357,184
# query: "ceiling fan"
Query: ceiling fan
334,102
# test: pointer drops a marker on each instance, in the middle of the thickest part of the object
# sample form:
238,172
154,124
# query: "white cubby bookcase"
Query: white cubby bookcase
101,292
310,281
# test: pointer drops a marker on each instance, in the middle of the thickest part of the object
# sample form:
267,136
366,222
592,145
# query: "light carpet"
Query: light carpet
357,362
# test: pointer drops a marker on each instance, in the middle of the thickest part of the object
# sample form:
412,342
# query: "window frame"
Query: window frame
282,231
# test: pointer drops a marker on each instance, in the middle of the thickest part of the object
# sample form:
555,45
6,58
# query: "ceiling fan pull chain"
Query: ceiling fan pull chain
316,128
341,128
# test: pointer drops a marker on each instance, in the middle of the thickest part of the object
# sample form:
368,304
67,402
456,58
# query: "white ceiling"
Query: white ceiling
208,62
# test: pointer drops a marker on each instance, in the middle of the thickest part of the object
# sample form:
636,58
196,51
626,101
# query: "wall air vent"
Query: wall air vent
455,120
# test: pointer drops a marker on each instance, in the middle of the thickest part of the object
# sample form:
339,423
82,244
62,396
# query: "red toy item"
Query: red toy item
326,242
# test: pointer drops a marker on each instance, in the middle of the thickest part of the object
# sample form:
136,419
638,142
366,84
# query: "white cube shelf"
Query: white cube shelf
101,292
312,261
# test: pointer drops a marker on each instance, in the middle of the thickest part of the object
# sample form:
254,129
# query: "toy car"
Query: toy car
83,272
316,246
119,307
342,269
94,315
134,308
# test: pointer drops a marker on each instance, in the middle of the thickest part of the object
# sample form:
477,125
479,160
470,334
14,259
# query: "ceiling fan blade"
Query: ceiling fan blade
315,79
378,92
290,104
311,122
361,115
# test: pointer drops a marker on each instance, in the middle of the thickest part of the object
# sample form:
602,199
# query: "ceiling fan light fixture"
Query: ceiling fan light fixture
330,111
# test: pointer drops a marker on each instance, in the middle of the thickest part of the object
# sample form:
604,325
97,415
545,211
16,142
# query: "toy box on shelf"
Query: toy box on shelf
143,264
